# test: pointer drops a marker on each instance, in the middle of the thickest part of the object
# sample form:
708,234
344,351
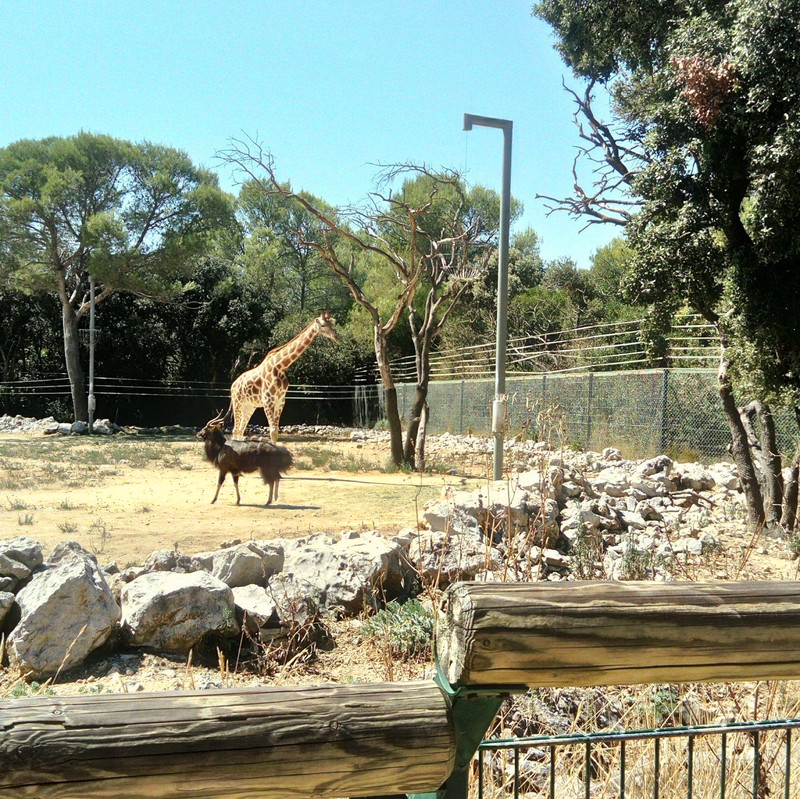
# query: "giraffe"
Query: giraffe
265,385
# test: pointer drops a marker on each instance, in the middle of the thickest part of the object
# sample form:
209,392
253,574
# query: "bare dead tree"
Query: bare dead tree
391,229
455,253
615,158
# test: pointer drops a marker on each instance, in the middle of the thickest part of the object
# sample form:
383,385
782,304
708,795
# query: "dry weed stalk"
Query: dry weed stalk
188,676
67,654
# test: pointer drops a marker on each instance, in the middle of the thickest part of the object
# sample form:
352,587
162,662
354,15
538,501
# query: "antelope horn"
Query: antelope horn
218,418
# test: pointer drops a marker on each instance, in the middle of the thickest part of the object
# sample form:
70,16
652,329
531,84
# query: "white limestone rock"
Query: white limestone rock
255,607
173,612
357,569
24,550
65,612
238,565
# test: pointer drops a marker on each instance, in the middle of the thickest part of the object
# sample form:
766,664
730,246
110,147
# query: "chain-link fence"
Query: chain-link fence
643,413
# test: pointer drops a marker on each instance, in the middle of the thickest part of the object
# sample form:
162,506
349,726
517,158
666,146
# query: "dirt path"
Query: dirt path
125,498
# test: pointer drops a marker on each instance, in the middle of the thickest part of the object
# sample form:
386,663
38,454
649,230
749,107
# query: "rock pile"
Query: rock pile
564,515
55,611
584,515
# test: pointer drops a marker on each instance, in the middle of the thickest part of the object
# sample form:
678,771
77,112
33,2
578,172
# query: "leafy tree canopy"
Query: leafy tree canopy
707,98
134,216
280,248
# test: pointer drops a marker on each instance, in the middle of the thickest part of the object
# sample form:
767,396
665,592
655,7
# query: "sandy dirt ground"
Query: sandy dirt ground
125,497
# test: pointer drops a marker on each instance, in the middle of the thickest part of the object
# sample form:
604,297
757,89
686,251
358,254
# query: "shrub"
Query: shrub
406,628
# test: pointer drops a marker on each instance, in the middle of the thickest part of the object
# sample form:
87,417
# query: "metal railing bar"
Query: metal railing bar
480,772
657,768
787,777
516,774
588,780
638,735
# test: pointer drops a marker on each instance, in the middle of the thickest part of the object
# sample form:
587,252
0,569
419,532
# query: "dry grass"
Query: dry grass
125,498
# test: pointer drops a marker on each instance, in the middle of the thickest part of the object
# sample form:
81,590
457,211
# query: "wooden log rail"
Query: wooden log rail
392,738
338,740
609,633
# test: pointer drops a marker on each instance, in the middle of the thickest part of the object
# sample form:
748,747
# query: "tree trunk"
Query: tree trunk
789,512
740,448
747,413
771,463
419,464
790,491
390,397
395,427
410,451
72,357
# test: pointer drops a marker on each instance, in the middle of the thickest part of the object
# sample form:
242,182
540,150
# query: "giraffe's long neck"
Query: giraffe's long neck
283,357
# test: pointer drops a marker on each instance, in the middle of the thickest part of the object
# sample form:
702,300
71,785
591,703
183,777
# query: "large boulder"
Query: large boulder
357,570
168,560
69,549
447,517
65,612
613,481
695,476
297,602
6,601
13,568
255,607
22,549
271,553
239,565
442,558
173,612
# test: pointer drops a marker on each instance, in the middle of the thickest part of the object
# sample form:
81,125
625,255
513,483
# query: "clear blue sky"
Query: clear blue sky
331,87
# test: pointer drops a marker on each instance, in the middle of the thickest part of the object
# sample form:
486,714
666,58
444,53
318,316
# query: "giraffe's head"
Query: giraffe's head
326,325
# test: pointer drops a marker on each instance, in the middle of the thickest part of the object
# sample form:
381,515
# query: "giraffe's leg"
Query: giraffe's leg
276,409
219,485
236,486
272,418
241,416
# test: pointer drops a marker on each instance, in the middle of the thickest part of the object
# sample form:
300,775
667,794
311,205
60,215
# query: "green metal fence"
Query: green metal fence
729,761
643,412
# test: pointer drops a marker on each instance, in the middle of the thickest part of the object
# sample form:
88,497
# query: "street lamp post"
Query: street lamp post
92,402
500,404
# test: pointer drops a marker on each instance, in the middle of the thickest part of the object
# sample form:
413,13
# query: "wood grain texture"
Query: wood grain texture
321,741
610,633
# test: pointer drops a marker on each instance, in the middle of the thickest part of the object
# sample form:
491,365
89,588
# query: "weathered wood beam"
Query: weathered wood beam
609,633
359,740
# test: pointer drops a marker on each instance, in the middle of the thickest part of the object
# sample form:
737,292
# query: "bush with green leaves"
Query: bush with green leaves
407,628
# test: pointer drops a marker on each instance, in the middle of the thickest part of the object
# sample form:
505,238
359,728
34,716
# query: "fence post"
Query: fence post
589,412
461,411
662,433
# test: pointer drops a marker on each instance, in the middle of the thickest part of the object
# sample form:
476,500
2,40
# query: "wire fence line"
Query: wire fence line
608,346
188,402
643,412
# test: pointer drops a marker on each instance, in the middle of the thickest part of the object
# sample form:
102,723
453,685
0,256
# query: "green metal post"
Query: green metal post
473,711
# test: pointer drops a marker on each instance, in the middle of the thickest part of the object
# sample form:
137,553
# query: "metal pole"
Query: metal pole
92,403
500,404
